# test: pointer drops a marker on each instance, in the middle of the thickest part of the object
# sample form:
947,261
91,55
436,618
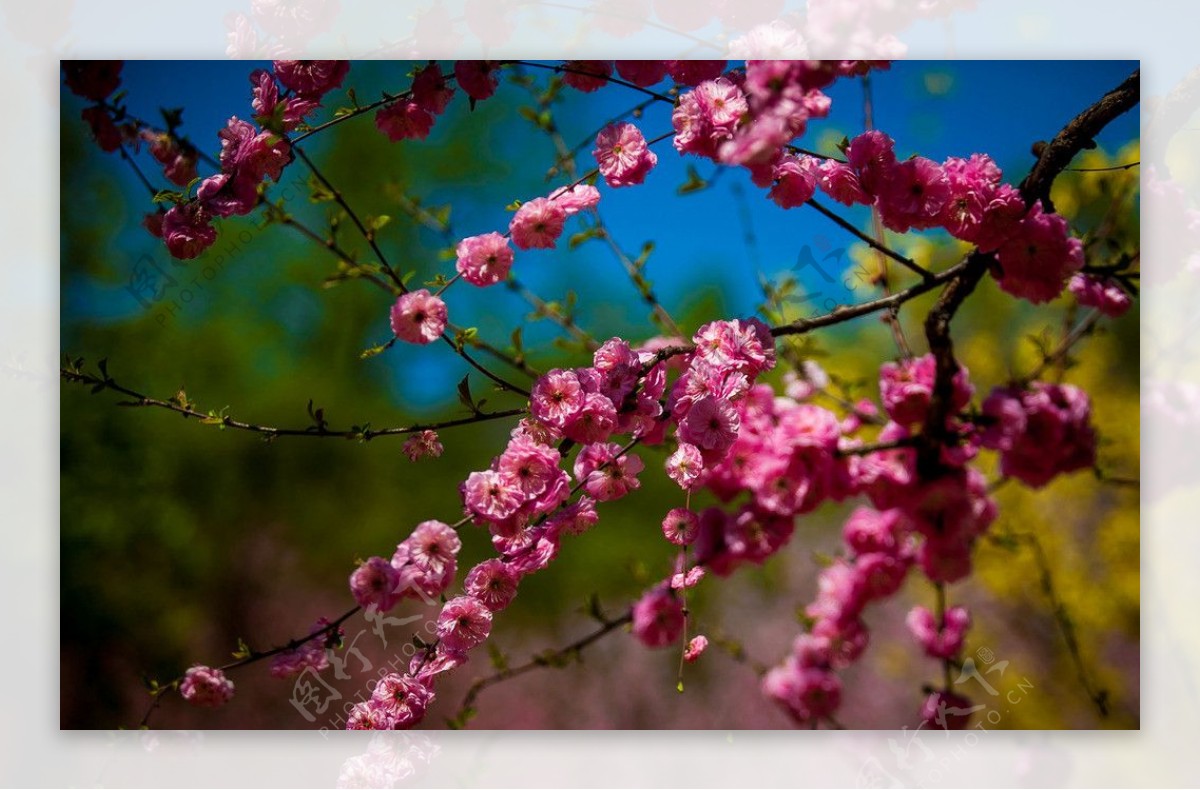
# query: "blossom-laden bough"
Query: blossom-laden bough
767,458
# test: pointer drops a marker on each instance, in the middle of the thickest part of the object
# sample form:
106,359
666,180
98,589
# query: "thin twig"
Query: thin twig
318,429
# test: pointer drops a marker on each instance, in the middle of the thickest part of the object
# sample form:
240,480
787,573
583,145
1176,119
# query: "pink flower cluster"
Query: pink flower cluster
424,444
412,118
249,153
206,687
749,118
1035,251
96,80
1104,294
422,567
1041,431
486,259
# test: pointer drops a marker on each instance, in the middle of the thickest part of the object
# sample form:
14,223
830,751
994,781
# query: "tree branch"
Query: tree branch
181,405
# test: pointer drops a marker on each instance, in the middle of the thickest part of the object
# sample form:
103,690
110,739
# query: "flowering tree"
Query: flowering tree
748,450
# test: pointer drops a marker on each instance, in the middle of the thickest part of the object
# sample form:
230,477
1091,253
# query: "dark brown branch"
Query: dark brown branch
547,659
1077,135
366,234
184,408
1052,159
252,657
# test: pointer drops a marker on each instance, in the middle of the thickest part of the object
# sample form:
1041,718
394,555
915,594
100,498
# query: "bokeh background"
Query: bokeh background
178,539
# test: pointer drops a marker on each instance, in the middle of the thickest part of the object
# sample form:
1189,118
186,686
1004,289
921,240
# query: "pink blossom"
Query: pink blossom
226,195
658,618
419,317
529,466
269,108
422,444
685,465
374,584
872,156
153,221
92,79
484,260
847,640
187,229
368,715
1039,257
694,72
695,648
426,667
493,583
945,710
840,182
945,559
402,698
538,224
912,194
404,120
433,545
310,655
623,155
881,574
250,153
557,397
711,425
477,78
606,476
206,687
179,164
1042,431
464,623
870,530
104,131
906,388
578,518
593,422
705,118
311,78
841,594
580,197
489,496
972,184
686,581
587,75
642,72
430,91
795,181
680,526
944,641
1103,294
806,693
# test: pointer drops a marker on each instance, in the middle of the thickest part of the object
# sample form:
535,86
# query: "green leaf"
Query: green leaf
318,192
585,235
694,182
377,223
